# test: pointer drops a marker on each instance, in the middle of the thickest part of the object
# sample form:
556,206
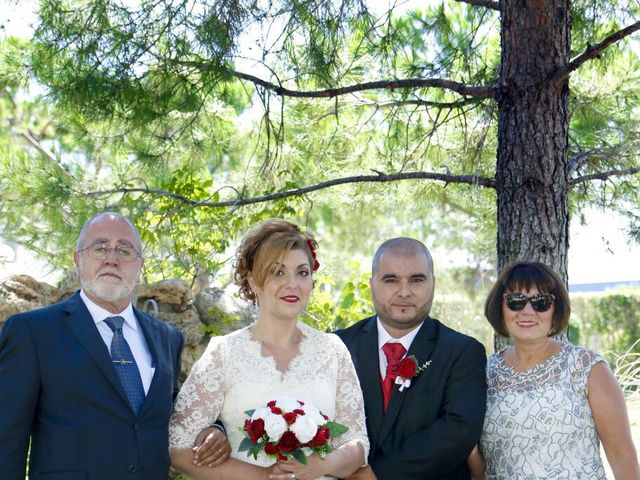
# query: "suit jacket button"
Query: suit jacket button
133,468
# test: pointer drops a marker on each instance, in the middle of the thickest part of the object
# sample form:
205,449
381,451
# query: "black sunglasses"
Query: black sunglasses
541,302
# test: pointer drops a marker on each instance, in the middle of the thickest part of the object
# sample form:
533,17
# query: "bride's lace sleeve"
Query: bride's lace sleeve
349,401
200,399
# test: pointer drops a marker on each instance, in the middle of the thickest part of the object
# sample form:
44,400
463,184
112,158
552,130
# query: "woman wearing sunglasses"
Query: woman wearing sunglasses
549,403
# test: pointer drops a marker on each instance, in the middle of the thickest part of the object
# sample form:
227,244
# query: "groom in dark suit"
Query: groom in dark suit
421,427
90,381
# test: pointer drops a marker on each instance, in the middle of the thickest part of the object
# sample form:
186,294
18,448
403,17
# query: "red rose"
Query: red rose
271,448
288,442
290,417
272,406
255,429
322,437
299,411
407,367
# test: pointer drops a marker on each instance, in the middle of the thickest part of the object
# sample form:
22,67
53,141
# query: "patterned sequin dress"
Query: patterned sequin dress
539,424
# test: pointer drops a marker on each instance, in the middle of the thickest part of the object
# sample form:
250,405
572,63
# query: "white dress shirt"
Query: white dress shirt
384,337
132,333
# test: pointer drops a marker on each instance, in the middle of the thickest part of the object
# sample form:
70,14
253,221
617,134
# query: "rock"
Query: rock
69,284
223,311
173,293
19,293
188,322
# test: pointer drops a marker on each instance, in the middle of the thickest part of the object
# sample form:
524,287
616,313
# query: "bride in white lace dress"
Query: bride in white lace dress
549,403
275,356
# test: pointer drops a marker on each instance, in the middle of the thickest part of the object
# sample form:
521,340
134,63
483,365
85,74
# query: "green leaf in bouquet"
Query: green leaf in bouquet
245,445
249,412
300,456
336,429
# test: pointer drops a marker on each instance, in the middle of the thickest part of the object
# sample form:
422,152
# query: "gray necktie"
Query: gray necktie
125,364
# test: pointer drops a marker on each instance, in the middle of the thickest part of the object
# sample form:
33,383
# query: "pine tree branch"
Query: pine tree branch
380,177
604,175
483,3
593,51
427,103
603,153
34,141
461,88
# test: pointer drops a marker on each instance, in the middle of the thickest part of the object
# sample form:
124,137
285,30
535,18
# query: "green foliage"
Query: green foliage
337,306
609,322
144,113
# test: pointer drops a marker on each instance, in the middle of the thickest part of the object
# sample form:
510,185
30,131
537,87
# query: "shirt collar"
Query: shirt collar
406,340
99,314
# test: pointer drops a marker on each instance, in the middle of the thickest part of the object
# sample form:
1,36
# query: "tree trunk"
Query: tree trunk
532,177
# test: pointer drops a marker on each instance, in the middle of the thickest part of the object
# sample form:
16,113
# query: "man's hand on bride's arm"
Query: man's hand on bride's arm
363,473
211,448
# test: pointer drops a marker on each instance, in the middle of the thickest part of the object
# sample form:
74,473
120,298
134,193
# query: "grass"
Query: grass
626,367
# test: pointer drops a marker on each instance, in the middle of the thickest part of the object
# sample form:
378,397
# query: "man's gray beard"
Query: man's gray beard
108,290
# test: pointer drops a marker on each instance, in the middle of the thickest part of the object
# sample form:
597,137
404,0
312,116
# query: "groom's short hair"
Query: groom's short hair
401,246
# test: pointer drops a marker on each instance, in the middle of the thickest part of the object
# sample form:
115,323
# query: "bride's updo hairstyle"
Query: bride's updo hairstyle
265,246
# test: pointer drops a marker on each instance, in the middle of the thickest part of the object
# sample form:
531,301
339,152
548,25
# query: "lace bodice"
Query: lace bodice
538,423
232,376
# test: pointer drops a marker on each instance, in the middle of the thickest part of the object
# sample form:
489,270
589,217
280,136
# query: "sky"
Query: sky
599,251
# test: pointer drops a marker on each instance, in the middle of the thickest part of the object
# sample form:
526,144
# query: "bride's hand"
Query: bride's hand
276,472
296,470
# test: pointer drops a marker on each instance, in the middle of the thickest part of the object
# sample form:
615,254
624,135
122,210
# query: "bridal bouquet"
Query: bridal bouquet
288,428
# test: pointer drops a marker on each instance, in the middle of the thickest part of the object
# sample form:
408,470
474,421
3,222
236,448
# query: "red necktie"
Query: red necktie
394,353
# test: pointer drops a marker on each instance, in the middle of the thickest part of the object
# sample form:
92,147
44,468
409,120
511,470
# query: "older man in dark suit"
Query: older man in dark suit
90,381
423,425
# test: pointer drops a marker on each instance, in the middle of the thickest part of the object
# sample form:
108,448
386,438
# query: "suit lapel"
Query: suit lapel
369,366
422,348
82,326
153,340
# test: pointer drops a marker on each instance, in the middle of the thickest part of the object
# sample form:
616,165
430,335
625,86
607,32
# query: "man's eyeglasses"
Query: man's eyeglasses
540,302
100,252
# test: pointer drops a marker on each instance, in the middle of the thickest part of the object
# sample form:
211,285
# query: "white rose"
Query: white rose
311,410
275,426
288,404
261,412
304,427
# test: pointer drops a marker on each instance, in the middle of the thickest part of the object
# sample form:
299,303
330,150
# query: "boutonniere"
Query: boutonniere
407,369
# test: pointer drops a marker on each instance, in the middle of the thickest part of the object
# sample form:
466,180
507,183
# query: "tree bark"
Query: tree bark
532,176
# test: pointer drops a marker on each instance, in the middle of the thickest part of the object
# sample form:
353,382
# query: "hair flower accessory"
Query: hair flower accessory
312,247
288,428
408,369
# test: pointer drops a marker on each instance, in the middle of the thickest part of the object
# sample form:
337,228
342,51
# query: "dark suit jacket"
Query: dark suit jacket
429,428
58,386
